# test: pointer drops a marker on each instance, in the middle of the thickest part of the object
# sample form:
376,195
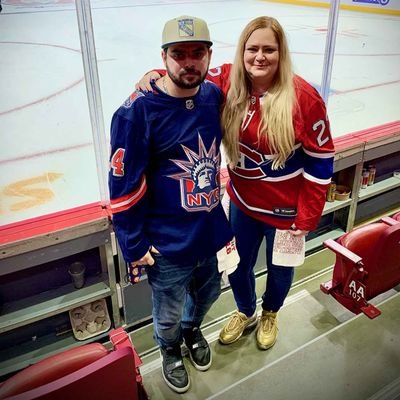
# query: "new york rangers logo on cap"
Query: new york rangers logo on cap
186,27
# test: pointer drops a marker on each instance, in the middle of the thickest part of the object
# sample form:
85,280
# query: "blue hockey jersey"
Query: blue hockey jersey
164,175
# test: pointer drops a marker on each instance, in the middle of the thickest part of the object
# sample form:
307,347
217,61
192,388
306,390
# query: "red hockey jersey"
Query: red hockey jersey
295,193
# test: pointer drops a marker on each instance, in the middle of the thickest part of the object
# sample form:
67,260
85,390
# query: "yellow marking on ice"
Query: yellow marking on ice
35,196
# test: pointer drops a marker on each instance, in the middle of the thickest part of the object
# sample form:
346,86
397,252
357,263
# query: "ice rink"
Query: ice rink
47,160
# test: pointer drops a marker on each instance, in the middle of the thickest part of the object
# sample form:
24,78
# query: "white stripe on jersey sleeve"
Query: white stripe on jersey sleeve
318,155
284,177
316,180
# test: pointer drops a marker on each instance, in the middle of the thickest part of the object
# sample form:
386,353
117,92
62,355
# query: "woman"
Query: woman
280,160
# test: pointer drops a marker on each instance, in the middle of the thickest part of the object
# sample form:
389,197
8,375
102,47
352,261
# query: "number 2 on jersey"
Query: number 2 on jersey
320,125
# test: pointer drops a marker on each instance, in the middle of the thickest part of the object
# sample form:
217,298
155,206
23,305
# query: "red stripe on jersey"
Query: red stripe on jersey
129,200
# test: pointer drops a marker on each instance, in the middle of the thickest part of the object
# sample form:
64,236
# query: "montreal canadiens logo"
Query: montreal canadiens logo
199,179
252,164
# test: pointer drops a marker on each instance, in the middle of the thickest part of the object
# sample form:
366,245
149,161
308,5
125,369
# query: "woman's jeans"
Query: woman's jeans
182,294
249,234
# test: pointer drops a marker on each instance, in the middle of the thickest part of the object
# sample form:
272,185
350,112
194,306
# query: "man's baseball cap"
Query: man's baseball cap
185,29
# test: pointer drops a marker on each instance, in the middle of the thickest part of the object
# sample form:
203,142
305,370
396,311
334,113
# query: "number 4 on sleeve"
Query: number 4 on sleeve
117,162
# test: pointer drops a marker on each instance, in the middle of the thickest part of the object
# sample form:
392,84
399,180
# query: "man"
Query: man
166,216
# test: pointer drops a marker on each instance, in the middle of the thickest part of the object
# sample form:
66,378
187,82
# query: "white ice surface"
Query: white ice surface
44,116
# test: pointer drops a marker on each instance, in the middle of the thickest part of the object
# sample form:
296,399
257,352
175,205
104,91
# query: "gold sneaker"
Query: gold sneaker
235,327
267,330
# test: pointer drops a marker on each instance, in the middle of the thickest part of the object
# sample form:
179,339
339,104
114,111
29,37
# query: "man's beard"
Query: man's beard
177,79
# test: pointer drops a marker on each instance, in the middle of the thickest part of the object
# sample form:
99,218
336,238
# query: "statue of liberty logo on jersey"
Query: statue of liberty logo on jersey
199,180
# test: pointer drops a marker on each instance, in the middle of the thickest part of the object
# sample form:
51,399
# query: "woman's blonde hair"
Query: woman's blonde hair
276,125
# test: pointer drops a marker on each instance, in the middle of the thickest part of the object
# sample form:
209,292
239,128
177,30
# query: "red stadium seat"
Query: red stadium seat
85,372
396,216
367,264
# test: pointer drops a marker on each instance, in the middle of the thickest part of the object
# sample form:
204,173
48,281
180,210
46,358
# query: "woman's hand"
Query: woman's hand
145,82
297,232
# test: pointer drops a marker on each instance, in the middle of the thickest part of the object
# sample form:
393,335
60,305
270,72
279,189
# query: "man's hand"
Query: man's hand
147,259
144,83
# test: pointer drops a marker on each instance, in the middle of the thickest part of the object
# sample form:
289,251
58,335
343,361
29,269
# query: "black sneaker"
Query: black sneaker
173,369
199,350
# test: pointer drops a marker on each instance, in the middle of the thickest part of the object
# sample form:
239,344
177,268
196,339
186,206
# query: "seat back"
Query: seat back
396,216
110,377
52,368
86,372
359,242
378,244
384,264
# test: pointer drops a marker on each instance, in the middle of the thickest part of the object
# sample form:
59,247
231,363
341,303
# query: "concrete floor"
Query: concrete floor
323,351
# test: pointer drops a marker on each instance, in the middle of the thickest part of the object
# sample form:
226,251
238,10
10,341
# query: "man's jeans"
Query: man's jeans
182,294
249,234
